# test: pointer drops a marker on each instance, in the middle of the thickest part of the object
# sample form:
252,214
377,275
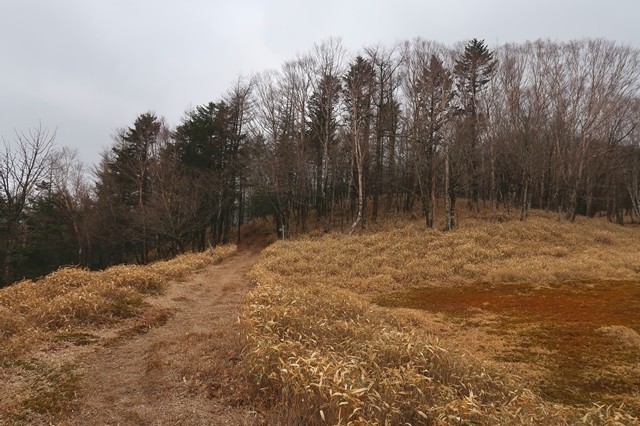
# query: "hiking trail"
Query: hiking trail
183,372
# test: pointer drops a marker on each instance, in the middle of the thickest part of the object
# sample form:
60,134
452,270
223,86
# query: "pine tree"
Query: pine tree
124,188
473,71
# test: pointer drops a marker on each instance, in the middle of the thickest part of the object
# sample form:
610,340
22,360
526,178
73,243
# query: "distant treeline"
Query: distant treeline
335,139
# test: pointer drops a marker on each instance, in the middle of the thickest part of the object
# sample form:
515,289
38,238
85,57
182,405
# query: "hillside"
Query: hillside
322,349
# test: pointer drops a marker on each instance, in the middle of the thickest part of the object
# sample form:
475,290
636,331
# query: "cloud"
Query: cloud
88,67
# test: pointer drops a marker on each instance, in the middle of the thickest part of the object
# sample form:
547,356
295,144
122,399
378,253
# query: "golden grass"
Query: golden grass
320,353
182,265
65,307
626,335
540,250
78,297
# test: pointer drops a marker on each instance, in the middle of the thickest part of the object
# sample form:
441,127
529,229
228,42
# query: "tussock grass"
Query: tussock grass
77,297
64,308
626,335
540,250
320,353
182,265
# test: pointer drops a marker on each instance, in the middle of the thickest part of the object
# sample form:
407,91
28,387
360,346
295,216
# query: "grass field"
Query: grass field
520,323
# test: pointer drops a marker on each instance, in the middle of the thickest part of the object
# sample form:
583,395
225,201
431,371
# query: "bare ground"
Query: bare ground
186,371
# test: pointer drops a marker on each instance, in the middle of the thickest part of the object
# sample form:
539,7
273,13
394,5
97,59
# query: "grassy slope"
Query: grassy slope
43,322
320,352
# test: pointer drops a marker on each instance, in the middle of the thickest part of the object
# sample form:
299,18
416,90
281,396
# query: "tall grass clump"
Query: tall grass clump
182,265
320,353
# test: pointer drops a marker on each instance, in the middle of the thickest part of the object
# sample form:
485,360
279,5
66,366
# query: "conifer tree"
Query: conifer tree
473,70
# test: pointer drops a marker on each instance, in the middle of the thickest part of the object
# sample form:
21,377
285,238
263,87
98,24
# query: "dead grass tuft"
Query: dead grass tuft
98,304
626,335
11,323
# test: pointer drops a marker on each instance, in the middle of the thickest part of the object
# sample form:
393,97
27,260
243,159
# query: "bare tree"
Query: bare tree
436,88
296,86
629,129
359,83
415,57
386,111
174,210
598,76
239,101
73,191
328,66
24,165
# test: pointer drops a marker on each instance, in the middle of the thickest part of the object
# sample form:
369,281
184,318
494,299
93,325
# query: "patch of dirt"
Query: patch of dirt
185,369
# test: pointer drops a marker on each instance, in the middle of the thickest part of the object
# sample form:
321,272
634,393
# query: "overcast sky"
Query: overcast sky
87,67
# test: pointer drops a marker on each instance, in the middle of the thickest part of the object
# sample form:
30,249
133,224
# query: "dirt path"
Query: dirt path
184,372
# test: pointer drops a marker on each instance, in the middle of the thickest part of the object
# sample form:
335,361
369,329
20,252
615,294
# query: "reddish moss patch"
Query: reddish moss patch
601,304
585,365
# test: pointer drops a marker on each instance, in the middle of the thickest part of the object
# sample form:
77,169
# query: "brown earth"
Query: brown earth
186,371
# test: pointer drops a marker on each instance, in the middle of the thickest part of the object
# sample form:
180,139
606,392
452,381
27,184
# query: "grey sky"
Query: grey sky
87,67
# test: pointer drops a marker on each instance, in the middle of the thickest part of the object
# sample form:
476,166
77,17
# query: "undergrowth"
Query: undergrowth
320,353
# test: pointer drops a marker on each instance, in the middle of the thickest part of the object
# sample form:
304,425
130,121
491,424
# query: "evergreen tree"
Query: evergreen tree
124,189
209,143
473,70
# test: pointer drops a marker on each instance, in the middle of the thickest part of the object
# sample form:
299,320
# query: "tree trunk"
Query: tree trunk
573,199
359,166
448,207
524,208
493,195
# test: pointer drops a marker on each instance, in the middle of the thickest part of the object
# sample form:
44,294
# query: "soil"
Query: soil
187,371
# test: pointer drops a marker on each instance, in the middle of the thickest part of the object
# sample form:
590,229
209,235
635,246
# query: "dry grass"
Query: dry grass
41,320
541,250
626,335
72,297
321,353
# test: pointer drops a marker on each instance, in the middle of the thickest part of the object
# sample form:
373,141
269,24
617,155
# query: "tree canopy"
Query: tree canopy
334,140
